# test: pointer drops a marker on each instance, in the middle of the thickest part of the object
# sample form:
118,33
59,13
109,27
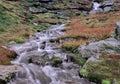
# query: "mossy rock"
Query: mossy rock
104,71
106,82
83,72
57,61
81,61
69,47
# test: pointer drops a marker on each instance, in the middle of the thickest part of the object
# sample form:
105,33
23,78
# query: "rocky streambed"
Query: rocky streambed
41,61
44,62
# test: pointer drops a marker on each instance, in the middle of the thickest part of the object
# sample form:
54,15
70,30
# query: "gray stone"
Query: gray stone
6,70
110,45
33,10
108,3
117,30
107,9
99,10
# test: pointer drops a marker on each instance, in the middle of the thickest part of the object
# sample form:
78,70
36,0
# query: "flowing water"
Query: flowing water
96,5
35,57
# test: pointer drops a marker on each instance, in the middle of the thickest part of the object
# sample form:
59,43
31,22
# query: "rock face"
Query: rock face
58,5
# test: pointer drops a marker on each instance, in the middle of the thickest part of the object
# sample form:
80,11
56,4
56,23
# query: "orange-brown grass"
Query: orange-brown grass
114,56
20,32
103,26
6,55
71,46
75,42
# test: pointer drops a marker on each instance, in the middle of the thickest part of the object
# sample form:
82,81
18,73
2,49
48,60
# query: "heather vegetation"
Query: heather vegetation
91,28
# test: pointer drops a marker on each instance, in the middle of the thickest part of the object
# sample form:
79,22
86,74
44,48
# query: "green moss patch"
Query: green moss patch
105,71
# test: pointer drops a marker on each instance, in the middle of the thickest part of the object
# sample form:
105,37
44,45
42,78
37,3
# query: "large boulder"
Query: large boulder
109,45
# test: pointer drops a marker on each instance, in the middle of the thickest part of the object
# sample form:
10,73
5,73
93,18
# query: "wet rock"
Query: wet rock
107,6
35,72
35,57
7,72
103,7
107,9
99,10
107,3
28,46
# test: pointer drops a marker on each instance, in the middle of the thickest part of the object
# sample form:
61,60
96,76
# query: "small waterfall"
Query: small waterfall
49,71
35,52
29,74
38,44
96,5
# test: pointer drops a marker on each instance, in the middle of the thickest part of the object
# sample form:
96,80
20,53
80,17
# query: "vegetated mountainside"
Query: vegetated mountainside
21,18
13,27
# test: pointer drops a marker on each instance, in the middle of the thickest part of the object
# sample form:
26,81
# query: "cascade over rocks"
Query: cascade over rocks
44,62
